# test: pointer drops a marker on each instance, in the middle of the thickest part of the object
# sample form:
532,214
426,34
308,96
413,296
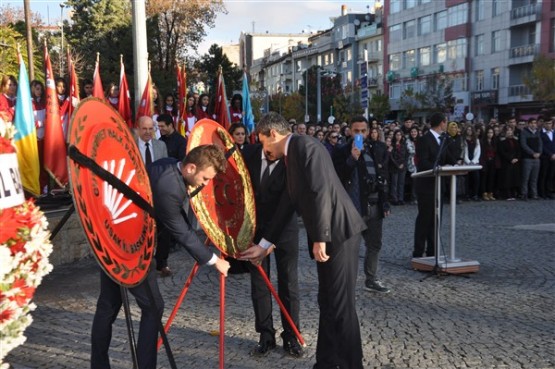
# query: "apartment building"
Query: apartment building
485,47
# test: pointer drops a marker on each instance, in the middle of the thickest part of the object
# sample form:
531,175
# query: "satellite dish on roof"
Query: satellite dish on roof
356,22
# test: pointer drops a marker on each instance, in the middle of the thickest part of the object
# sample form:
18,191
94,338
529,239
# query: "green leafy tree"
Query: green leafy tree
541,80
9,64
293,107
101,26
410,102
437,94
379,106
347,105
207,70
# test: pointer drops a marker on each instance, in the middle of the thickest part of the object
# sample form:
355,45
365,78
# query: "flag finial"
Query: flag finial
97,57
121,58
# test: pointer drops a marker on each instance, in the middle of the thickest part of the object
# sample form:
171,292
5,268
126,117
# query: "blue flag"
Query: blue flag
248,117
26,134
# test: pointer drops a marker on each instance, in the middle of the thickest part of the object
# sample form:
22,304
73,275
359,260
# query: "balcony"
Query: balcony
519,91
372,82
523,54
525,14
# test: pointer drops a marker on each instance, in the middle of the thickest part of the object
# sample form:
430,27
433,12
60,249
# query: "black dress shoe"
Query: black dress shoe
293,348
263,348
165,272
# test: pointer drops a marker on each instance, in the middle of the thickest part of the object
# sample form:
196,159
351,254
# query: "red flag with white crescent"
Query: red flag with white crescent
55,160
124,101
98,91
221,111
73,86
145,107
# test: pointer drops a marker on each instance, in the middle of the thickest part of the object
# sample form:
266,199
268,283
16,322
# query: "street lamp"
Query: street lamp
306,116
62,40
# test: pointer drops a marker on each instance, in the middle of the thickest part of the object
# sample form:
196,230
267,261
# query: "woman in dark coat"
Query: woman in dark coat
398,168
489,162
509,155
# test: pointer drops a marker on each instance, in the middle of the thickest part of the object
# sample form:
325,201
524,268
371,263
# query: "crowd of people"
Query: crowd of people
517,156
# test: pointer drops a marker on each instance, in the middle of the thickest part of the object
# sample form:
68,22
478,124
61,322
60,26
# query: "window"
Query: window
410,59
395,61
396,32
441,20
425,25
350,77
457,14
456,48
479,10
495,78
496,41
349,54
395,6
410,29
479,80
424,56
459,83
394,92
410,4
479,45
440,53
425,1
331,58
495,8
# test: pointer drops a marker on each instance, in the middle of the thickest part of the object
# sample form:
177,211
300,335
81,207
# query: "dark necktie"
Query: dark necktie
148,157
265,175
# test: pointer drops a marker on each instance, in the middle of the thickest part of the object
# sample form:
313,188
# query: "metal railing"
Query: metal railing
519,90
524,50
524,11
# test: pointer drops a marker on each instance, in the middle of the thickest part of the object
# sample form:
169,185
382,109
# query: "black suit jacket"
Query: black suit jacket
269,198
317,194
171,202
427,151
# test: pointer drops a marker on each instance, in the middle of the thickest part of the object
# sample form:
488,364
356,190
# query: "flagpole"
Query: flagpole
140,51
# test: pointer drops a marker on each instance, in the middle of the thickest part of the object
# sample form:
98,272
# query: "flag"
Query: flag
221,110
182,93
146,107
124,101
26,134
73,86
97,82
248,117
55,160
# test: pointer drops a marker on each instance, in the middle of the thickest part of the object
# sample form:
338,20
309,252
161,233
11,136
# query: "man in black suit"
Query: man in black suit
168,179
177,147
334,231
427,155
270,189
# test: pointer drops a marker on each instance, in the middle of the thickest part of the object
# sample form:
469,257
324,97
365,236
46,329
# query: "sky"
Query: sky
274,16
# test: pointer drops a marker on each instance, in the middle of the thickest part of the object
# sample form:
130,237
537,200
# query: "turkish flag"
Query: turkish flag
124,101
221,111
146,107
55,160
98,91
73,86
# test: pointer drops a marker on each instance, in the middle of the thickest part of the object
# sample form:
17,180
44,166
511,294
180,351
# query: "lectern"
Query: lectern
443,263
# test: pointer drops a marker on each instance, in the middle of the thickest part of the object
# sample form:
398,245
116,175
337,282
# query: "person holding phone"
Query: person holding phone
361,165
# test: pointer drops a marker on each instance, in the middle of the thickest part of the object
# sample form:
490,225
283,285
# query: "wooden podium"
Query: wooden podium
443,263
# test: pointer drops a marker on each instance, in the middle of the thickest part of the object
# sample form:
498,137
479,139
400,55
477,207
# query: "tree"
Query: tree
410,102
178,26
347,104
101,26
293,107
437,94
379,106
207,68
541,80
9,64
11,15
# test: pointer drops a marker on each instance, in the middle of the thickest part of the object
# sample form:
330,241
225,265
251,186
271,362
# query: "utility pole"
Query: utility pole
62,40
29,36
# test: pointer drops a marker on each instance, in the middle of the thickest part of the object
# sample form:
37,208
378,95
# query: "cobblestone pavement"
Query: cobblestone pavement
501,317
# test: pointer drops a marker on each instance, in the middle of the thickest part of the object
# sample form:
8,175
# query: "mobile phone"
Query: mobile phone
359,141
